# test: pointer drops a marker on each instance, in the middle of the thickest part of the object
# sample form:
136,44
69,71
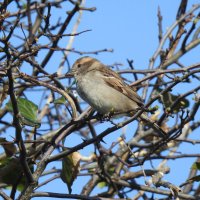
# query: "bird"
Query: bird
106,92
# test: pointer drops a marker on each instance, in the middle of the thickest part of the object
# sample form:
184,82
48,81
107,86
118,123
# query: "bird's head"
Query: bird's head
84,65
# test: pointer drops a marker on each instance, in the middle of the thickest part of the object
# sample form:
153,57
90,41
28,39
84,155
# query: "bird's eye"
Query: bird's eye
79,65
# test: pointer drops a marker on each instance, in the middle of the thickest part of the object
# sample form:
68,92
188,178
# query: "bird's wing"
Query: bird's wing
116,82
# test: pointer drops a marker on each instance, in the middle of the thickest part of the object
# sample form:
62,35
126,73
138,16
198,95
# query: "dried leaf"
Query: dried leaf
70,169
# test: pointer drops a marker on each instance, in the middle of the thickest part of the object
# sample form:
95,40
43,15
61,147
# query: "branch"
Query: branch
65,196
152,60
52,87
18,128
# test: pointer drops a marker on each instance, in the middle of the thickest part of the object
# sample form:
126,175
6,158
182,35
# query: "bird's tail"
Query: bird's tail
153,125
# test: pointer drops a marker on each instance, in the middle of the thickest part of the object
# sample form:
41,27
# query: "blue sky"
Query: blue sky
129,27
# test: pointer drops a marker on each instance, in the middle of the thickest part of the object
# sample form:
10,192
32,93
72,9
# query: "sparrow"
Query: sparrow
106,92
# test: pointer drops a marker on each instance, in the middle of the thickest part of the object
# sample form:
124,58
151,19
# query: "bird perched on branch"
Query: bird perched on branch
106,92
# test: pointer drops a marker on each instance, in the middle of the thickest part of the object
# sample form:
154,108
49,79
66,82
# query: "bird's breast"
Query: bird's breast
102,97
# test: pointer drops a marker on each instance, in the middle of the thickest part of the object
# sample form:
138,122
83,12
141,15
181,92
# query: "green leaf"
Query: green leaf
102,184
70,169
11,172
60,100
196,166
28,112
168,99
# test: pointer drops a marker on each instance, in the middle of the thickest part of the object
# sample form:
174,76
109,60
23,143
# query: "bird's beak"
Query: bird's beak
69,75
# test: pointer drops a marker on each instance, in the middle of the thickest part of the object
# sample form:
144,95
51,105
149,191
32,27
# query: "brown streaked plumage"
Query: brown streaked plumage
105,91
112,79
